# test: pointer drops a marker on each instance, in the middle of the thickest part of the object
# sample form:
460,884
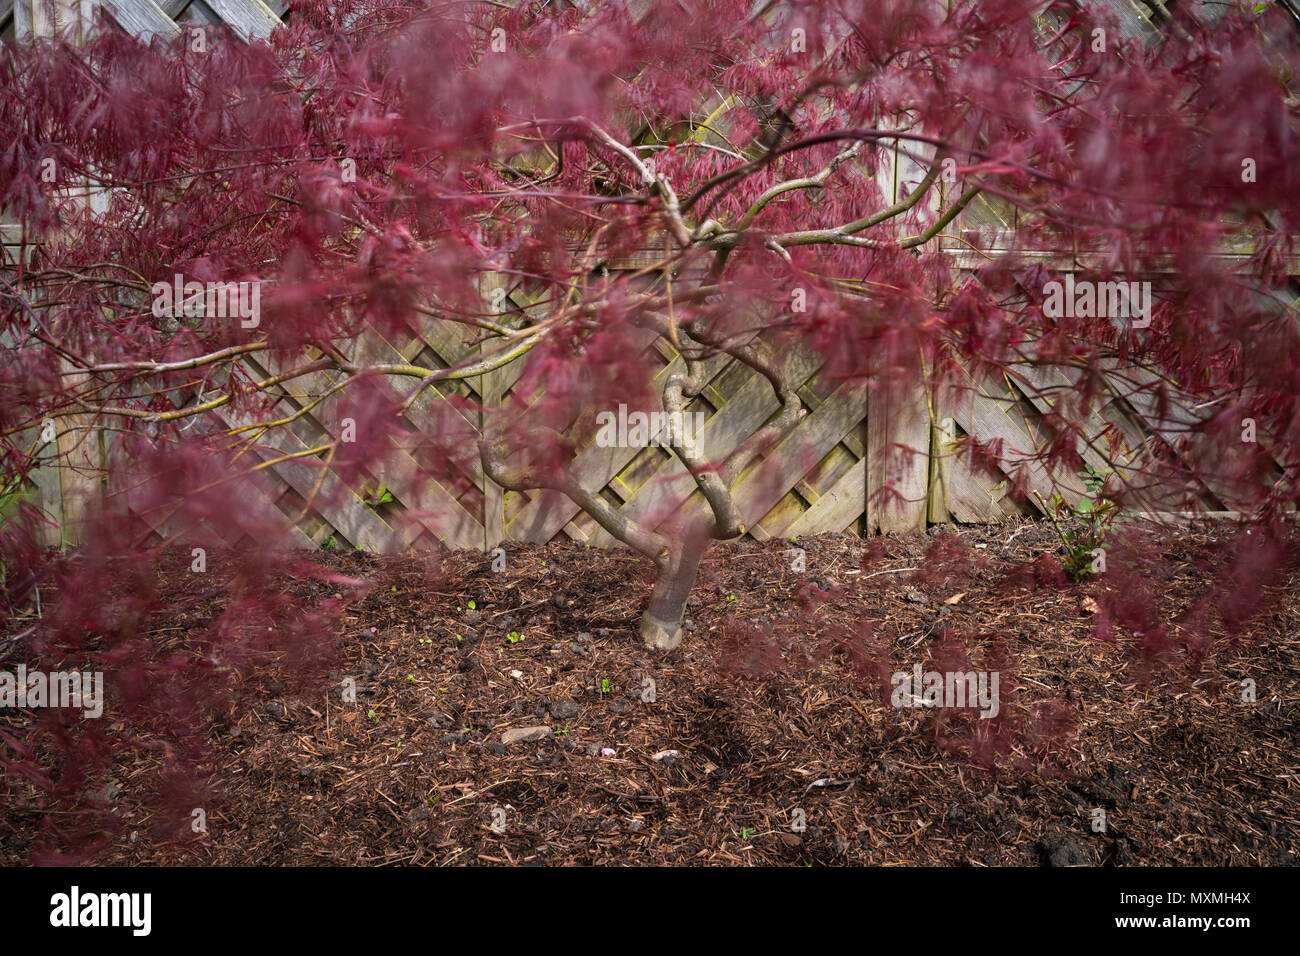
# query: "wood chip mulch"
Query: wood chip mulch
766,739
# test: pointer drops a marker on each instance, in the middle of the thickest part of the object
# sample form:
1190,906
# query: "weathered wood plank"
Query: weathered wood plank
491,392
672,485
430,504
594,467
981,411
143,18
942,435
838,508
250,19
767,482
341,506
897,420
975,499
1176,425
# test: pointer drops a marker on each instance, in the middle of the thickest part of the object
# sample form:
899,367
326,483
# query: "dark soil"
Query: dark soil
772,714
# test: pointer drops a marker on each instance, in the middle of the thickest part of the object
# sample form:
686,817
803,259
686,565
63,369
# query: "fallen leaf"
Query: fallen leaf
1089,605
955,598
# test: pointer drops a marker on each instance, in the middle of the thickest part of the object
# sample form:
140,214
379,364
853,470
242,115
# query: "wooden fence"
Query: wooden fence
825,476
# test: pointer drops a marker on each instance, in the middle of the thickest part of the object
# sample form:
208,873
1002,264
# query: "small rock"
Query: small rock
593,750
839,844
1063,849
564,709
666,756
577,648
520,735
617,706
916,597
956,815
517,674
585,638
275,709
636,824
791,839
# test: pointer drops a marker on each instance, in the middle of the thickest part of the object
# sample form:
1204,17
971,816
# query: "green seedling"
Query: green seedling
1095,513
374,497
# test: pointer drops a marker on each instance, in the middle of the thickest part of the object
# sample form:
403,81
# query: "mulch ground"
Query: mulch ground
765,739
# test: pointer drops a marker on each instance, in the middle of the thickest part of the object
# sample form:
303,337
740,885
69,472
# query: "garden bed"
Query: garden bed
771,715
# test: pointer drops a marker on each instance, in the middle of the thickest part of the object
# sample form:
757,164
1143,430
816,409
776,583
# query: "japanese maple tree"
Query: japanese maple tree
378,165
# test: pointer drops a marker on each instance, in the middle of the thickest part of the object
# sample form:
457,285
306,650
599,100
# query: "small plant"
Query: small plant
1094,515
514,637
329,544
374,497
604,685
747,833
471,605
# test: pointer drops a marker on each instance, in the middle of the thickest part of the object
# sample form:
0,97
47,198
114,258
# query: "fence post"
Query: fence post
490,397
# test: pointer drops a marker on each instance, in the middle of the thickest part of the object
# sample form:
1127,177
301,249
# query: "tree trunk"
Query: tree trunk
661,625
